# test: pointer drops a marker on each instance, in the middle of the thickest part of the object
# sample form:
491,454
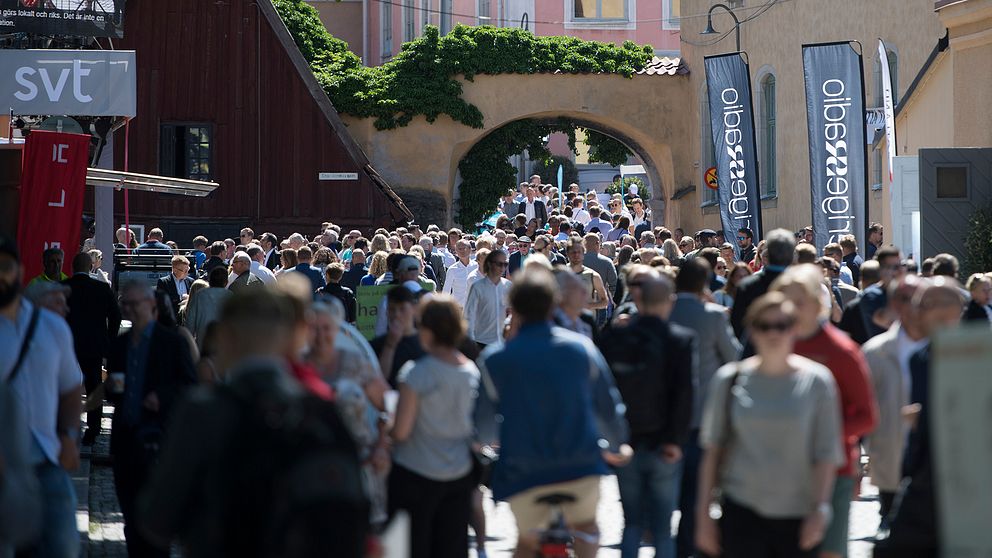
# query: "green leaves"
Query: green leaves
978,242
420,79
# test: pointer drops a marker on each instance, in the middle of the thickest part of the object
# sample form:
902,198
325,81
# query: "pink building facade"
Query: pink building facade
375,29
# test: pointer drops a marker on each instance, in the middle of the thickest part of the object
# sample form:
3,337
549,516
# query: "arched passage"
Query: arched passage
654,179
648,113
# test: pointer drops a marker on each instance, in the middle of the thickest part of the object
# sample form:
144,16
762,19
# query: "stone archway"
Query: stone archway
654,176
649,113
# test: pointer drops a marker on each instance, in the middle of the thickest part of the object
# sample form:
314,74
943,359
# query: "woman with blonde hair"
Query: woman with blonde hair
376,269
670,249
378,244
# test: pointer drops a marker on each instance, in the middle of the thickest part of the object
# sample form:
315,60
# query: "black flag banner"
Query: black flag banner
728,83
838,154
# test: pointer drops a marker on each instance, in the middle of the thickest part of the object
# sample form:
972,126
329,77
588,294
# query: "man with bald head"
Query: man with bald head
913,530
157,367
888,356
243,276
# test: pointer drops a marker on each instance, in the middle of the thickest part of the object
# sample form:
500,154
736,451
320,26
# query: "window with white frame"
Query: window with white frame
707,155
671,11
485,13
767,147
387,30
409,21
599,10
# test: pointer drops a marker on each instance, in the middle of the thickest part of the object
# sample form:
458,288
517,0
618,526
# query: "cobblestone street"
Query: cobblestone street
106,527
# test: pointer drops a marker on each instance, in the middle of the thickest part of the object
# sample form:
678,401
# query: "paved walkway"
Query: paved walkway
502,530
100,511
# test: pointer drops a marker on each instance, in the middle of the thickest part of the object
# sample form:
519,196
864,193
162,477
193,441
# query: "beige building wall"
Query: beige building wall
773,42
949,106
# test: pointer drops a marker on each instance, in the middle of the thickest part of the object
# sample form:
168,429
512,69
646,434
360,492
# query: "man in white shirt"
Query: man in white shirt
579,215
456,279
49,384
639,216
533,208
257,256
486,306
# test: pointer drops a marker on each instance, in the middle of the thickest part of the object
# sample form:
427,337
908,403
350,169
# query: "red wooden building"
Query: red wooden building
225,95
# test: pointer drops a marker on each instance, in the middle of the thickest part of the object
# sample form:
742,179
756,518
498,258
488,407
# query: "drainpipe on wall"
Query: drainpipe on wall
365,32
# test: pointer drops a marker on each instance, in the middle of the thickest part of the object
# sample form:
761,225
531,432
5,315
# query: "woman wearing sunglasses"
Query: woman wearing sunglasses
818,340
771,433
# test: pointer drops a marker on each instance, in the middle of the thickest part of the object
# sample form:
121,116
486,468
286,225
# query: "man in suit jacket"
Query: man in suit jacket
94,318
533,208
434,260
157,367
243,277
717,346
270,243
780,247
518,258
176,284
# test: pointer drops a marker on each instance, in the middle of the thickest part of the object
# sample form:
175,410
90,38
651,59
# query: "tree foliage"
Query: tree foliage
978,242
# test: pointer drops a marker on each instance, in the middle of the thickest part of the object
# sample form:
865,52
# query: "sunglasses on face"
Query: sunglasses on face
741,238
765,327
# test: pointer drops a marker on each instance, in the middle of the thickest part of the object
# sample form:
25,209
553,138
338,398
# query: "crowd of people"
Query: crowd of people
252,418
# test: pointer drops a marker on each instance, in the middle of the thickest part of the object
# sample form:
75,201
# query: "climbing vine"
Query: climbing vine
421,81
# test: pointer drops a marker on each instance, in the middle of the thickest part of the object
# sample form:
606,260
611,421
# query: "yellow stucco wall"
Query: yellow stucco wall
773,41
649,113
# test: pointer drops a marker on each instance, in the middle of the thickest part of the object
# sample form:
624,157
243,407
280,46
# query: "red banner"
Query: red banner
53,180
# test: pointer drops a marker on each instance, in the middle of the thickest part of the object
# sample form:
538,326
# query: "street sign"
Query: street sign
337,176
709,177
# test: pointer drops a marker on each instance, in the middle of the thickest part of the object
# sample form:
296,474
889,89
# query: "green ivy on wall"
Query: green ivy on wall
421,81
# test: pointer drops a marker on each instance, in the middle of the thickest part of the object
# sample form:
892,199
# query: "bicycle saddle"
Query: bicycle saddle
556,499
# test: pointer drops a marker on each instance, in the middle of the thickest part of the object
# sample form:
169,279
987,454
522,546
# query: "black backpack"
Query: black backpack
296,487
635,355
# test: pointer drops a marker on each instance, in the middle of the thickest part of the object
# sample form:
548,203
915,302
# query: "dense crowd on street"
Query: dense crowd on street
572,340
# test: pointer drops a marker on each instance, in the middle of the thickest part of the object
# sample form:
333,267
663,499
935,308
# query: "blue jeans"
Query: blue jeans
59,535
649,493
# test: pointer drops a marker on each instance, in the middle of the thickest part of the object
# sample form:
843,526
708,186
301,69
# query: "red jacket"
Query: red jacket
859,411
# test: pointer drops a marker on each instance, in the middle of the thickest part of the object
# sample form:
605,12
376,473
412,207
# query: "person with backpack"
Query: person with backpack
260,466
654,362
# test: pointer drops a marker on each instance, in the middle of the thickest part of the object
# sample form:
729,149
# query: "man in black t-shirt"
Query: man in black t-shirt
401,342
